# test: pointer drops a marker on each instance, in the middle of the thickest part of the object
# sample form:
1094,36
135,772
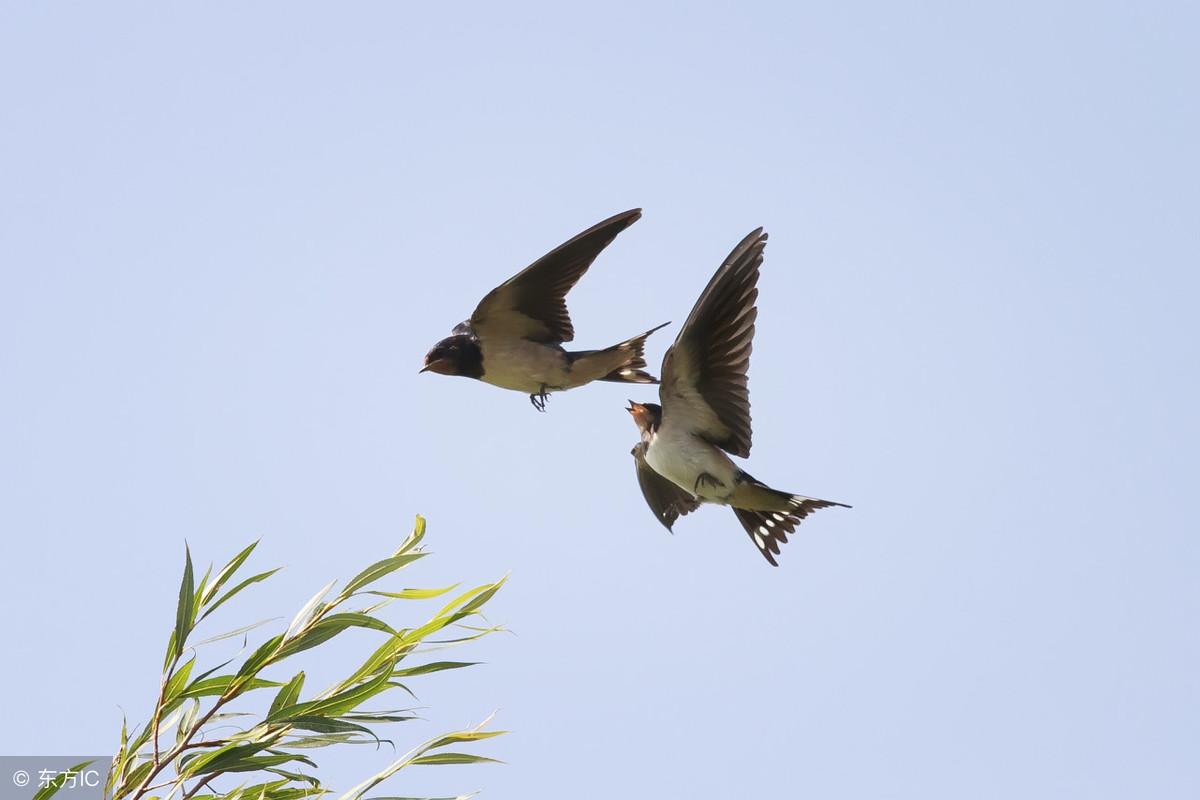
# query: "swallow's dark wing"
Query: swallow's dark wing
532,303
704,372
666,500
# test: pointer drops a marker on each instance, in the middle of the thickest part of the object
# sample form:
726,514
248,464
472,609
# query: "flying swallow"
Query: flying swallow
514,338
683,456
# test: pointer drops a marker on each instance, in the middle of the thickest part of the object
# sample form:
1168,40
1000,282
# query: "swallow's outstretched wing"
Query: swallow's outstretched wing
532,304
666,500
704,373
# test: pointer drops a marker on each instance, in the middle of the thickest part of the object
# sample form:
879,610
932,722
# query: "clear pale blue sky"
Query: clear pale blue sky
229,232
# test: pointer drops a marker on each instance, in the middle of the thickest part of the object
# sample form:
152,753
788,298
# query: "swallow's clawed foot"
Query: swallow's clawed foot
539,399
704,479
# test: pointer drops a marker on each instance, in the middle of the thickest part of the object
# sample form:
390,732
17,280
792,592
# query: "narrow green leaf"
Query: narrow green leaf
178,680
260,657
482,598
416,594
262,576
389,652
464,736
479,633
289,695
236,632
134,778
338,703
319,724
120,759
227,572
252,763
460,603
299,777
209,672
185,722
454,758
357,619
435,666
378,570
185,613
316,635
199,763
329,627
170,656
309,610
413,539
327,739
200,587
377,716
218,685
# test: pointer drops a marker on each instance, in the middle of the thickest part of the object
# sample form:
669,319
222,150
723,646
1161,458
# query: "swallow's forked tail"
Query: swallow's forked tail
773,514
624,362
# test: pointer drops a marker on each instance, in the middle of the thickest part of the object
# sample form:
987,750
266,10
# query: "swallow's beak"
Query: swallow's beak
442,366
633,407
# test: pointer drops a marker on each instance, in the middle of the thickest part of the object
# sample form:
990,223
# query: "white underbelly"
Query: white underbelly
682,458
523,365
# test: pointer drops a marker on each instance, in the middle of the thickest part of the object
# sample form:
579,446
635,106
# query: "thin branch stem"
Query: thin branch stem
201,784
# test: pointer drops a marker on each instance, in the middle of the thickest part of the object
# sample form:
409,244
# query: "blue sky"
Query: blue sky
230,233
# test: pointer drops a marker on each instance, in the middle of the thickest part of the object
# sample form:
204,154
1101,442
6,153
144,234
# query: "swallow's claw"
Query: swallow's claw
539,399
704,479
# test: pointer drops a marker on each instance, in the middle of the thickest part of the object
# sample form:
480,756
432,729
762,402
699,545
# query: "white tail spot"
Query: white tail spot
758,540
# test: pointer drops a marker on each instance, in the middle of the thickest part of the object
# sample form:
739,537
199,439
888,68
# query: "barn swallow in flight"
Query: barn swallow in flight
514,338
682,457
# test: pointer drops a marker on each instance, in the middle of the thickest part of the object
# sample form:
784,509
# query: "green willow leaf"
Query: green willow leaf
389,652
262,576
319,724
227,572
178,680
357,620
218,685
416,594
325,740
289,695
378,570
132,780
260,657
309,610
434,666
236,632
464,736
338,703
454,758
201,586
413,539
253,763
325,629
185,612
184,726
300,777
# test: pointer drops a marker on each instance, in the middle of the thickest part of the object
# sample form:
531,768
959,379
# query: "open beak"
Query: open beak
638,412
